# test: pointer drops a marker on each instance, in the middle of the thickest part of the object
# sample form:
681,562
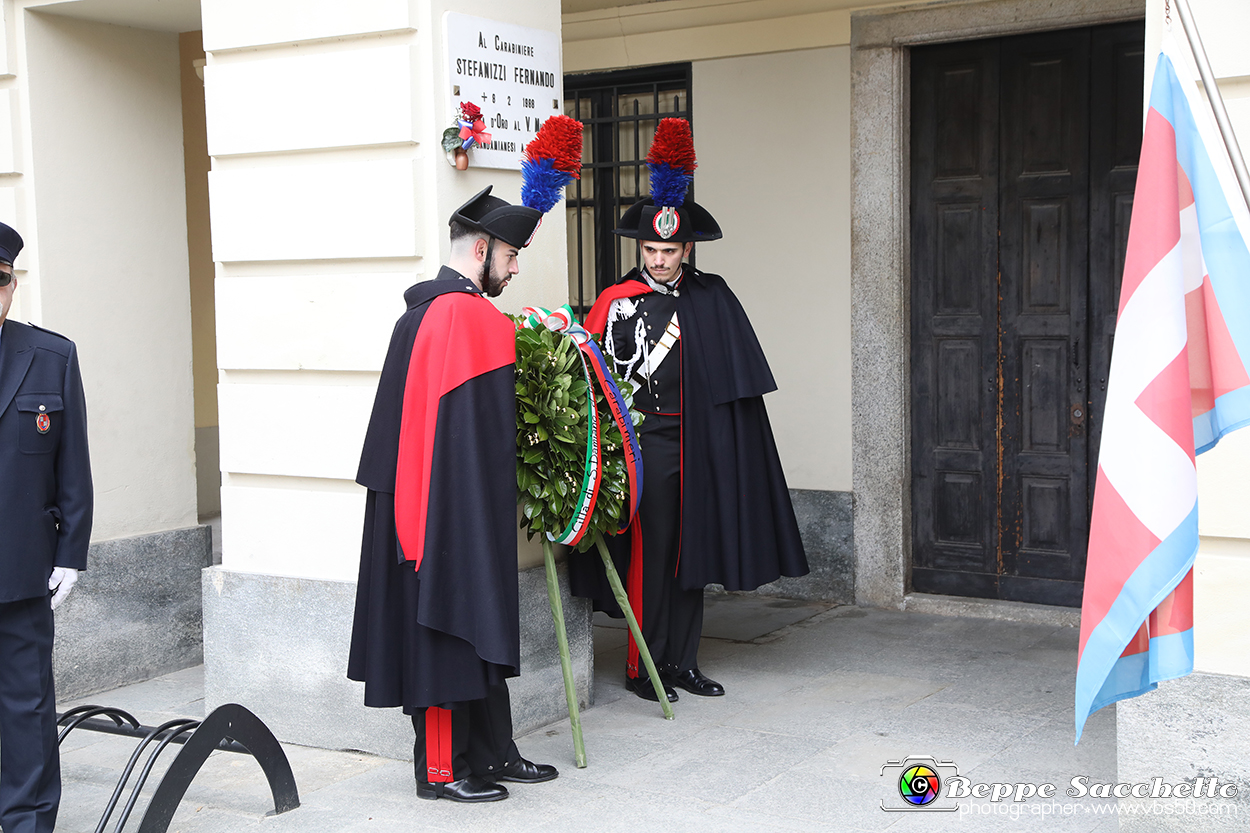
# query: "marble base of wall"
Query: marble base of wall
134,614
278,645
826,524
1190,728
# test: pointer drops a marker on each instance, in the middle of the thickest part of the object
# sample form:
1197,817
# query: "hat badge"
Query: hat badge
666,222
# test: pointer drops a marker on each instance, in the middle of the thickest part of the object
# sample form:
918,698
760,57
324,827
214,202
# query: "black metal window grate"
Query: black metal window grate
620,111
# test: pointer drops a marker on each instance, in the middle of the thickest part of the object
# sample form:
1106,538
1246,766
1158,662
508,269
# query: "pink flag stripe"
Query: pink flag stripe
1159,230
1178,382
1140,532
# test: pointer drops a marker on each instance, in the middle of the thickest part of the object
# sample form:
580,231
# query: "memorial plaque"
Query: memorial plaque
512,73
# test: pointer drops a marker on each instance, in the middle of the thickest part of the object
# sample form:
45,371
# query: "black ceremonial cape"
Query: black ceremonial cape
737,523
436,618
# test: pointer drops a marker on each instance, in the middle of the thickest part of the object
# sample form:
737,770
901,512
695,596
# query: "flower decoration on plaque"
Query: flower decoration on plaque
468,130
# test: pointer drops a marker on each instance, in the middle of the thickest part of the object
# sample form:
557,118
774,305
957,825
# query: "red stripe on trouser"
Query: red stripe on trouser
633,588
438,745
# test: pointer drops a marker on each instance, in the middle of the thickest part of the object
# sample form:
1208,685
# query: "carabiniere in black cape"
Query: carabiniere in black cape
449,632
738,527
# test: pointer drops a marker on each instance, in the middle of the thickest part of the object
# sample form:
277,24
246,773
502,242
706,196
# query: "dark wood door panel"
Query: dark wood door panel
954,244
1044,249
1040,591
1024,154
958,515
960,401
959,235
954,582
1045,238
1045,383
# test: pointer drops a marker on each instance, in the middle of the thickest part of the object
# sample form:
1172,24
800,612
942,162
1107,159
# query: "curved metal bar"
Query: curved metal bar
228,721
61,718
130,767
78,715
147,770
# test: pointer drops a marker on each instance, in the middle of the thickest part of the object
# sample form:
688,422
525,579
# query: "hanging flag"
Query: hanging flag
1178,383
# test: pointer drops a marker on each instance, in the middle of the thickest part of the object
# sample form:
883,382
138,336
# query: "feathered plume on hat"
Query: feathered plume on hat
669,213
553,158
672,163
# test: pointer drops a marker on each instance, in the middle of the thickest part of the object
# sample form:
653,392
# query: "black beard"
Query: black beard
492,286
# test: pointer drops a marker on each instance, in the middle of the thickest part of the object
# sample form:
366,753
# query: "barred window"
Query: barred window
620,111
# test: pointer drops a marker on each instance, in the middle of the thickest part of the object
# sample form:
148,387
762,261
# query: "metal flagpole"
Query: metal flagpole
1213,96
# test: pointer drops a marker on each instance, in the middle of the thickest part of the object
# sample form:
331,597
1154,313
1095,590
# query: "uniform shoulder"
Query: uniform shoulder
46,339
711,280
48,332
466,301
471,308
707,277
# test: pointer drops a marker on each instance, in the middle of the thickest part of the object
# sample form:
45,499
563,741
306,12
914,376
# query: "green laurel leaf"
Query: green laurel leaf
552,401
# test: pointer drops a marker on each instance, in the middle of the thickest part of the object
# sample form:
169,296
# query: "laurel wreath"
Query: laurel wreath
552,393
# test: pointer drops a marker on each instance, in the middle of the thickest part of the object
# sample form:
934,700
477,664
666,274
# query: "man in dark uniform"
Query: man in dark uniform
715,507
45,529
437,627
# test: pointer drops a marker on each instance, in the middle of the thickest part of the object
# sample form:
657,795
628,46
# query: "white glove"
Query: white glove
61,581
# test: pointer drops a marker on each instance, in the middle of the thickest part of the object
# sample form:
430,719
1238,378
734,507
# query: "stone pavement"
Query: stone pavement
819,699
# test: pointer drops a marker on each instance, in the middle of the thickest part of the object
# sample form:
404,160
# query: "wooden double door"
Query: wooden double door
1023,162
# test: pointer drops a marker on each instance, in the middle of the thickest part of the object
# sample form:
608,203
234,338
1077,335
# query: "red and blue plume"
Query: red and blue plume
553,158
672,163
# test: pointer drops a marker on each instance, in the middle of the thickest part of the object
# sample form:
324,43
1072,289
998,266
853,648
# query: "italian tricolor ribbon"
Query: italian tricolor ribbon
594,366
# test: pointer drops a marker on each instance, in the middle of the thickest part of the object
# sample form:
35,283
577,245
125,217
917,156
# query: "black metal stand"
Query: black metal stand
231,728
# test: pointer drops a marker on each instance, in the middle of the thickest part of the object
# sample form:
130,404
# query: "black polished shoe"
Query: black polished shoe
468,790
527,772
643,688
692,681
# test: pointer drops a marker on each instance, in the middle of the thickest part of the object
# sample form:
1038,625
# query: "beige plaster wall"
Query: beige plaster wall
106,185
603,35
329,195
772,134
771,98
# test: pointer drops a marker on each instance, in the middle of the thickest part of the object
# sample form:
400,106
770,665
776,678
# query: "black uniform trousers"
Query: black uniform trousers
672,617
472,738
30,769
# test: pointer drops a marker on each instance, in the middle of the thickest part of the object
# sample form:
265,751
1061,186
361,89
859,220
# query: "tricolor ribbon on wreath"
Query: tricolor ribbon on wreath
594,366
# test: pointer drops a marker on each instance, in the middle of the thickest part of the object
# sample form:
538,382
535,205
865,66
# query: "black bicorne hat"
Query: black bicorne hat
10,243
687,223
669,214
513,224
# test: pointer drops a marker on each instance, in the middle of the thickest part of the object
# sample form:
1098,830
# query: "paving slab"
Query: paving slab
819,699
722,617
